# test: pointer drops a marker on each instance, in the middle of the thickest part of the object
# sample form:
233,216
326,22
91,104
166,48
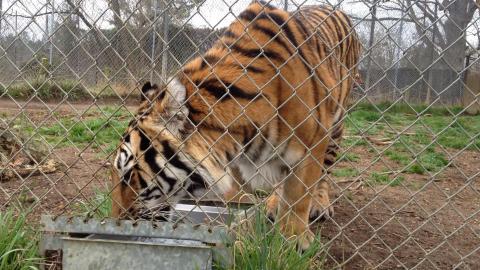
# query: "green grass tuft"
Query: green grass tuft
18,242
384,179
260,245
102,130
349,156
345,172
99,206
430,161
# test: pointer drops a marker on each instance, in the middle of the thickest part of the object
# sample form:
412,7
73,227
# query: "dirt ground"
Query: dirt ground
426,222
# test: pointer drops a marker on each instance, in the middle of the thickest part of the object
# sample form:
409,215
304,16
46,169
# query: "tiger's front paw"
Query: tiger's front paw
321,209
271,206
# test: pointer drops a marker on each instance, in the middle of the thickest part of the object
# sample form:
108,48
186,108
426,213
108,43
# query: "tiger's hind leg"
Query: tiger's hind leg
295,200
321,208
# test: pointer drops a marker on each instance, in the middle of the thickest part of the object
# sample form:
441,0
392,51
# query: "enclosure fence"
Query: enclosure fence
405,185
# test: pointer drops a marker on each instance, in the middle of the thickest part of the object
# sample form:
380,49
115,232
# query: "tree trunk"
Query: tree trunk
119,44
449,84
370,45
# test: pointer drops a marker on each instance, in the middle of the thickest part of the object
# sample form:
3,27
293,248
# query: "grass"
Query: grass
259,245
441,124
384,179
99,206
18,242
99,129
424,134
345,172
349,156
430,161
46,89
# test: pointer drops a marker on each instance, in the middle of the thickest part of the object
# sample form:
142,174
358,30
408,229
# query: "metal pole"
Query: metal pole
370,45
52,22
47,32
285,5
154,32
432,50
16,34
1,16
398,53
166,22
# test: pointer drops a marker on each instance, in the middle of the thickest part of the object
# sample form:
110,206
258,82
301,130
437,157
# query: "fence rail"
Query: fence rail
405,184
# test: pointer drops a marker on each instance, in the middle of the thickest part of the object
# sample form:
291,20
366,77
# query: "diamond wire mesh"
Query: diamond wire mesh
405,182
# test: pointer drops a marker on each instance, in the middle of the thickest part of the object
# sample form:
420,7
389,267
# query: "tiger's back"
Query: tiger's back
286,73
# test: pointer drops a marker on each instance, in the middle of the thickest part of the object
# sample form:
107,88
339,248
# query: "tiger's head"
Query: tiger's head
150,171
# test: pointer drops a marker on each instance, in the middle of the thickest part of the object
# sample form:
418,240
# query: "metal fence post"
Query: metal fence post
52,28
398,55
154,39
165,50
370,45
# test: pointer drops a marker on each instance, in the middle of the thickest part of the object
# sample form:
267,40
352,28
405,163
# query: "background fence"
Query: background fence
406,183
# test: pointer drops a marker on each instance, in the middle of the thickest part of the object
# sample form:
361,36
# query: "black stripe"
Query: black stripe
285,169
277,19
334,22
126,138
218,90
247,15
291,37
255,53
192,110
323,26
126,177
302,29
148,192
209,60
194,186
228,156
275,37
150,156
254,69
266,5
341,32
228,33
143,183
337,133
172,158
144,140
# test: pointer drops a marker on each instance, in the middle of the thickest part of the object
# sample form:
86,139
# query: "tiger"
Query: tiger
266,101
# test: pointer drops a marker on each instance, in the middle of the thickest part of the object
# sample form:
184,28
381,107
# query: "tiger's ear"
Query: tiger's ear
174,98
149,91
172,109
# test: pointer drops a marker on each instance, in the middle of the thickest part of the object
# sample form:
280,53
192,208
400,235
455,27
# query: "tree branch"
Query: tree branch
382,19
76,9
36,15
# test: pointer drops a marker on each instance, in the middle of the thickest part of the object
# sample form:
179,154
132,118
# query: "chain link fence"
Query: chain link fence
405,183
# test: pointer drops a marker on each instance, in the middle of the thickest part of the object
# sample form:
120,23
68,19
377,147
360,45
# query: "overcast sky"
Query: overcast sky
211,13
